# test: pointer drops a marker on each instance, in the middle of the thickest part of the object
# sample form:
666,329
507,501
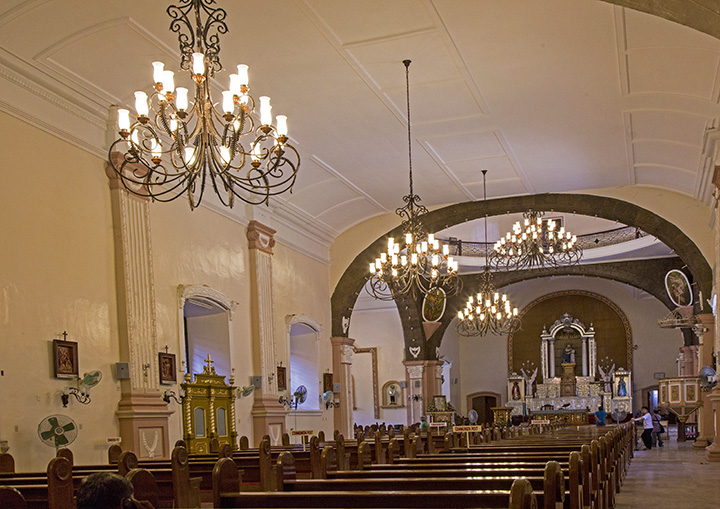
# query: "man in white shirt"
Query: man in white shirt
646,418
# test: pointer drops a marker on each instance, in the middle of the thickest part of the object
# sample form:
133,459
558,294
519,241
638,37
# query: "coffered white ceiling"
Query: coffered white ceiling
548,95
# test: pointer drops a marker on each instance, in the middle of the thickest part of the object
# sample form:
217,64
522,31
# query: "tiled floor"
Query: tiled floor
673,476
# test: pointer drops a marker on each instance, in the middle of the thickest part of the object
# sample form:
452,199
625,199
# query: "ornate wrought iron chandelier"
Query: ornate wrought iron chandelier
422,263
489,312
536,244
176,146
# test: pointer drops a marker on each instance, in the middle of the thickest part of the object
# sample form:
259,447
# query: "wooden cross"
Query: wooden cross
64,335
166,349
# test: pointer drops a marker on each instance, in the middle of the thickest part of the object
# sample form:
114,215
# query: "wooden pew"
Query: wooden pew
226,494
10,498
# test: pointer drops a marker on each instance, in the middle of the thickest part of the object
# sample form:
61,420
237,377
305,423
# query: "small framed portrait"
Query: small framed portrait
166,368
440,403
327,382
281,378
65,358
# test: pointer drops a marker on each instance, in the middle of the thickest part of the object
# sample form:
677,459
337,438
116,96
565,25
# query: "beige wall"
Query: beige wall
58,273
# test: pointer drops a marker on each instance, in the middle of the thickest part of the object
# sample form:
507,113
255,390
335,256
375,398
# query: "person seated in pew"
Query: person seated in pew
106,490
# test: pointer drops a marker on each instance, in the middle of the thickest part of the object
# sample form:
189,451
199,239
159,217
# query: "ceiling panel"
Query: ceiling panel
499,168
375,18
509,187
683,71
644,31
463,147
382,60
668,125
348,213
667,178
666,154
332,190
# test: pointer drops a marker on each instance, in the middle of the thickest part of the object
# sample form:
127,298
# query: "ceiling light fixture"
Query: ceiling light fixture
422,263
536,243
489,312
177,146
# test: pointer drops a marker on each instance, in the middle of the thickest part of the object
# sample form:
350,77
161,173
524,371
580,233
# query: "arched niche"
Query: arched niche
303,347
612,332
204,325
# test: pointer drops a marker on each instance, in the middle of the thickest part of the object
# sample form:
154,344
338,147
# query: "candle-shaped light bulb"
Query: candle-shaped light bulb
123,119
435,260
408,238
235,85
173,125
225,154
227,102
256,152
431,238
198,63
378,264
265,110
394,260
446,249
414,259
281,121
460,315
189,155
391,243
403,260
383,257
243,74
156,149
141,104
181,98
515,312
158,70
394,273
372,268
168,82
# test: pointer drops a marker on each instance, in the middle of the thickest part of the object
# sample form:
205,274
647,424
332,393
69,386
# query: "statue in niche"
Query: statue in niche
515,391
392,393
622,388
568,355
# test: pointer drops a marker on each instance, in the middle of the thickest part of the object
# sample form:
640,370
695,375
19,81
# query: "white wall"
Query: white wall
377,324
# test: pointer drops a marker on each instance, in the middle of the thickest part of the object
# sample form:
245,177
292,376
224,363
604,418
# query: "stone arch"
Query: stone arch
353,279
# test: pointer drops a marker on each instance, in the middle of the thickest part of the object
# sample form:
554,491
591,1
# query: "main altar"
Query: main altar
573,385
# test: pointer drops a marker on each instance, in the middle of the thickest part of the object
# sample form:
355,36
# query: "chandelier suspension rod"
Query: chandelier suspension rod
484,172
407,94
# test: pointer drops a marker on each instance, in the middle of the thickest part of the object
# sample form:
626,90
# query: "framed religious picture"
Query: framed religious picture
166,368
65,358
281,378
327,382
439,403
678,288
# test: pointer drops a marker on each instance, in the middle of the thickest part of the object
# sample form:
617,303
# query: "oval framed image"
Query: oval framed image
678,288
434,305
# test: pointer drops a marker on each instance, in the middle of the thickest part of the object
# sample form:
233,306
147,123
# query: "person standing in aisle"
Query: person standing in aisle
658,429
646,419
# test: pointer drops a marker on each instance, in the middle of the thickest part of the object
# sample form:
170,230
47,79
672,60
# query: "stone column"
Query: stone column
545,338
342,355
432,380
414,380
268,414
706,336
584,357
551,354
142,414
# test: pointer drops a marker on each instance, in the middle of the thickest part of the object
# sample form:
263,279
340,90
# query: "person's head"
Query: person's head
600,408
103,490
644,410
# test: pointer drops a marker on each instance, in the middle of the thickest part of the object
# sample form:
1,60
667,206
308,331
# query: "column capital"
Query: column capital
260,237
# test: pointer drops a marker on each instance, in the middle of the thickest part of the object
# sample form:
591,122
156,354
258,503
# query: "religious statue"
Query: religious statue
392,392
515,391
568,355
605,376
622,388
529,380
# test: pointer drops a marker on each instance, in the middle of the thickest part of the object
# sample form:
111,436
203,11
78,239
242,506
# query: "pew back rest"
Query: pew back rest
60,484
126,462
10,498
144,486
244,443
225,479
554,481
226,451
522,496
364,457
66,453
265,465
328,461
7,463
114,452
285,469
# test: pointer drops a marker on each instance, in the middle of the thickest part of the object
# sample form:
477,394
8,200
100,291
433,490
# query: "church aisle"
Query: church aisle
675,475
